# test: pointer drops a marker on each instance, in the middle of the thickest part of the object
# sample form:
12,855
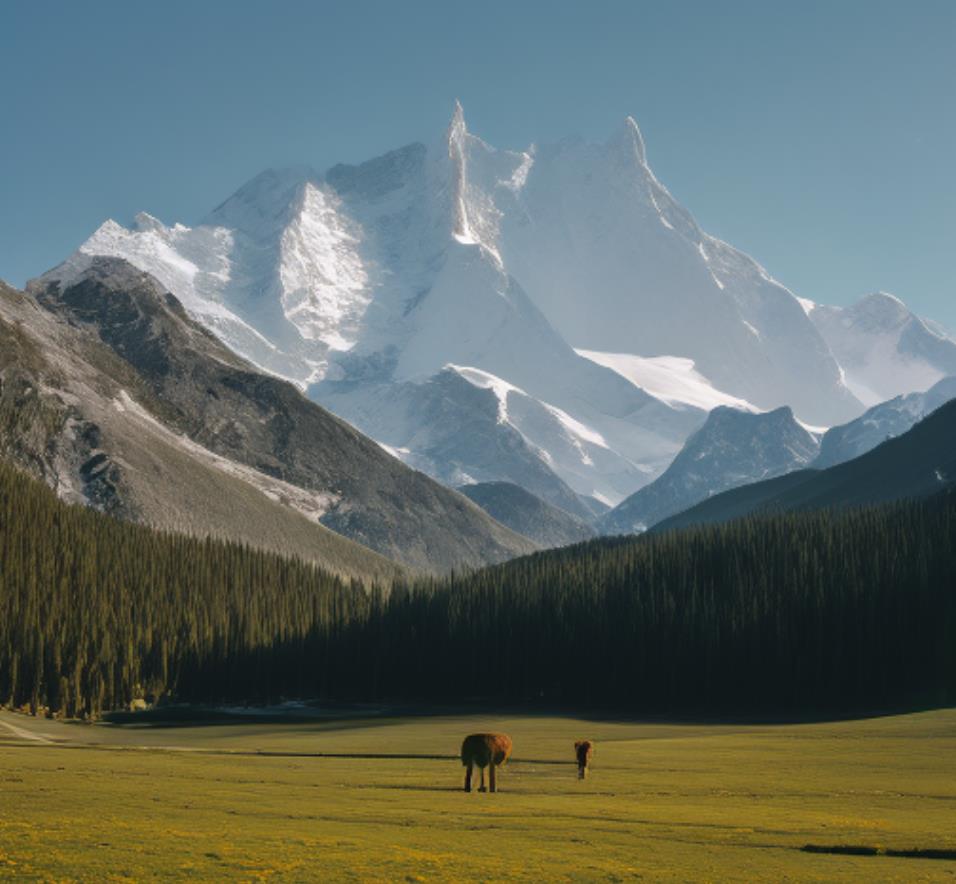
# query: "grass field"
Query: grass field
255,801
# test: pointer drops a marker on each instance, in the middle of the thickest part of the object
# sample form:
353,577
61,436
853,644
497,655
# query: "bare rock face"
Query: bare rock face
44,432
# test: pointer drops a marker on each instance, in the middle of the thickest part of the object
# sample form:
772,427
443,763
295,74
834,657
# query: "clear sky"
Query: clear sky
820,137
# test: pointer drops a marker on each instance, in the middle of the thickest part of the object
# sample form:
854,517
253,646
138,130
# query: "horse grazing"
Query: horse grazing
583,750
485,750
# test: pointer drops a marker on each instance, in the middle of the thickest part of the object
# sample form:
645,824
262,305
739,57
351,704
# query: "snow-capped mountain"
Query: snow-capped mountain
733,448
620,267
366,284
486,314
881,422
884,349
462,432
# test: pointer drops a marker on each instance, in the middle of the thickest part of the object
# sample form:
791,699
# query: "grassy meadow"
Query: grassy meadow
296,801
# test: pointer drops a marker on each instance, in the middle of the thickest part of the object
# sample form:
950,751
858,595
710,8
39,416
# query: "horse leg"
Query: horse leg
492,782
481,772
468,777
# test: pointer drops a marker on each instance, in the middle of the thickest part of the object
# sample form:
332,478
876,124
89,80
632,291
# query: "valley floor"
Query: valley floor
380,799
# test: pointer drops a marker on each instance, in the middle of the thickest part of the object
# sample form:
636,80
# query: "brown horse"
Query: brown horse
583,750
485,750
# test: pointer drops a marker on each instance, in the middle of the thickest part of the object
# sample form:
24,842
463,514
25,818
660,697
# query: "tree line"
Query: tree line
810,611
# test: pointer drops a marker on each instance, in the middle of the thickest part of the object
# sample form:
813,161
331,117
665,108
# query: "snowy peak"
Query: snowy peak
878,310
144,222
629,142
457,157
618,266
262,203
457,128
482,184
883,348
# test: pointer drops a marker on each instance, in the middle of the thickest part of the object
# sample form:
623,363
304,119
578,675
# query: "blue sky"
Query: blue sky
819,137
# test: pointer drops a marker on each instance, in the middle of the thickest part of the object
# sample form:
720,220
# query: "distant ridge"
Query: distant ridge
920,463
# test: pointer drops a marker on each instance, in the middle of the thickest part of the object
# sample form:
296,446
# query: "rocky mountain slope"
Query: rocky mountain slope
733,448
172,377
75,415
522,512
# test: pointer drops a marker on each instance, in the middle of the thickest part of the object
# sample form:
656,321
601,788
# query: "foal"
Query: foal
583,750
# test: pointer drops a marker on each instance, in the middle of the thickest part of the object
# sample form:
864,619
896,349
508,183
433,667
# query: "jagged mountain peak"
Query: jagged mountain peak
457,124
376,178
143,221
629,138
728,414
264,202
733,448
726,419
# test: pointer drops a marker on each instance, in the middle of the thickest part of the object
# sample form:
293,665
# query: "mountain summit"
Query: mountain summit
522,294
884,349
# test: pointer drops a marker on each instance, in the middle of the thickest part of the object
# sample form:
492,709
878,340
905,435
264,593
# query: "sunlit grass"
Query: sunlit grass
681,802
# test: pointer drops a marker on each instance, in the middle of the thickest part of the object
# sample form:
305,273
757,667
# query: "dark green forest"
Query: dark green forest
814,611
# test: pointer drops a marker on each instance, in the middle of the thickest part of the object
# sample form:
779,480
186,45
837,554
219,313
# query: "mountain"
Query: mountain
180,383
733,448
528,515
882,422
619,266
917,464
460,431
369,285
367,279
885,350
75,415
